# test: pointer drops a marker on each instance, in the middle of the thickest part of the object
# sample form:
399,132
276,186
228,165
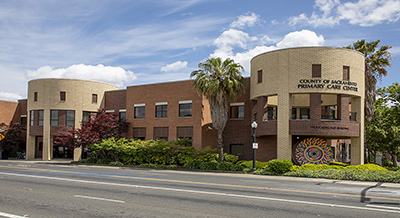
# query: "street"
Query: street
31,189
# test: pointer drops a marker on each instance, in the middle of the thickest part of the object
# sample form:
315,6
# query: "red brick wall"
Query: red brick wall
7,111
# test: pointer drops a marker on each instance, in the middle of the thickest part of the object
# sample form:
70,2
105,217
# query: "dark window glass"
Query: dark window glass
139,133
304,113
259,76
237,112
40,117
23,121
272,113
139,112
94,98
161,133
294,113
35,96
316,70
237,149
54,118
62,96
31,118
122,115
70,118
185,110
346,73
161,111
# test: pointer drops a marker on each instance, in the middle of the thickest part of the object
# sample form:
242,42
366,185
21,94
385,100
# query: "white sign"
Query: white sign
255,145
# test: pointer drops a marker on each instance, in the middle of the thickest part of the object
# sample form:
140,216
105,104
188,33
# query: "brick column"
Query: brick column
315,106
261,102
343,107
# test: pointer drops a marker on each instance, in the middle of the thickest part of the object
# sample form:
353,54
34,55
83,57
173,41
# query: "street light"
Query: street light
255,145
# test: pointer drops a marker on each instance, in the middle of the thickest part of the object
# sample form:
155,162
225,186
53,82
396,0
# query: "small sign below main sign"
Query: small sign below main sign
1,136
255,145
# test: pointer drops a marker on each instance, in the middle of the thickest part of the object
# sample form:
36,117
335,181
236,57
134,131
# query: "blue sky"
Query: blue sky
131,42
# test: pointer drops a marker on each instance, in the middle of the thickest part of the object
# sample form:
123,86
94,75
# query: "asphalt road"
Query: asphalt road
29,189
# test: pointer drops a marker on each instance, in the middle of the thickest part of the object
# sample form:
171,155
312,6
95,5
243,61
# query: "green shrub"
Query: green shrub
249,164
208,165
339,164
246,170
172,166
116,163
103,161
386,162
280,166
152,165
393,168
224,166
231,158
264,172
236,167
89,160
316,167
192,165
366,167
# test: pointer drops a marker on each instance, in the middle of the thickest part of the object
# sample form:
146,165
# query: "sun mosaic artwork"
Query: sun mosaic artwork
313,151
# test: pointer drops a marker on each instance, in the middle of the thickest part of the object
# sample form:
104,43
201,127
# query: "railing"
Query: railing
271,115
329,116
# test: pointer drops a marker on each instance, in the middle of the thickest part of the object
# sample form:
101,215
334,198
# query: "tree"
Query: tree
376,61
220,82
103,126
14,137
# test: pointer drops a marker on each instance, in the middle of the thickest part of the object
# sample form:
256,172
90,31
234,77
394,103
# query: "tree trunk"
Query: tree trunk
221,145
394,159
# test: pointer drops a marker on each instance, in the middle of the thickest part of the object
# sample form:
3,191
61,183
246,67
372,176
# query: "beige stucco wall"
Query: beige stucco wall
285,71
78,98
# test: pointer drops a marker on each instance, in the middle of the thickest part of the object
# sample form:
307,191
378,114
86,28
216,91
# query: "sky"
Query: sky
133,42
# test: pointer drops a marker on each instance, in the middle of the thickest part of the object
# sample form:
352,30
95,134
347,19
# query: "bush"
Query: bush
116,163
280,166
236,167
231,158
224,166
264,172
208,165
339,164
316,167
103,161
192,165
249,164
366,167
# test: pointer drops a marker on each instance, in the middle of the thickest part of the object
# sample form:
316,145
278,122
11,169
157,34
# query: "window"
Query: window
237,149
161,110
186,134
346,72
304,113
185,109
272,113
294,113
328,112
62,96
237,111
316,70
35,96
94,98
122,114
139,133
259,76
161,133
54,118
40,117
31,117
139,111
70,118
23,120
87,115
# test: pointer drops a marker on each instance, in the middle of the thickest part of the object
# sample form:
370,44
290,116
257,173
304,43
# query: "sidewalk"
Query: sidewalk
39,161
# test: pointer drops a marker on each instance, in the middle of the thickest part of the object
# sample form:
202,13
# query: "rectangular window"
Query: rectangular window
305,113
161,110
122,115
185,133
161,133
237,111
62,96
139,133
40,117
35,96
259,76
94,98
272,113
316,70
237,149
185,109
31,117
87,115
294,113
54,118
139,111
70,118
23,120
346,72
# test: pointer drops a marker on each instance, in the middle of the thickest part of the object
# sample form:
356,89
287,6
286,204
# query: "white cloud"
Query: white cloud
363,13
113,75
245,20
228,40
9,96
176,66
301,38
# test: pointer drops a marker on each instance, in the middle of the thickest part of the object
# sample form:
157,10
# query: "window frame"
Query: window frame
63,96
239,112
40,117
182,113
136,113
259,76
69,120
316,71
52,119
161,110
35,96
346,72
94,98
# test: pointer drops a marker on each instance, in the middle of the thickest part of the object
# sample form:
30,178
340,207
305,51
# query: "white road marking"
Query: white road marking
205,192
100,199
386,207
10,215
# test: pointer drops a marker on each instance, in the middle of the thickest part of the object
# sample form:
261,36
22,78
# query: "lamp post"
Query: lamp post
255,145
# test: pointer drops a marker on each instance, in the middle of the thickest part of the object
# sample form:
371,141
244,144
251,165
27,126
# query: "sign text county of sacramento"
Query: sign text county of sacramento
328,84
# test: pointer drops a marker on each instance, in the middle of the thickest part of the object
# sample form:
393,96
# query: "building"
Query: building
296,95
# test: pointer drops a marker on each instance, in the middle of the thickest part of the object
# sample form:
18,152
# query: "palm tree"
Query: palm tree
220,82
376,59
